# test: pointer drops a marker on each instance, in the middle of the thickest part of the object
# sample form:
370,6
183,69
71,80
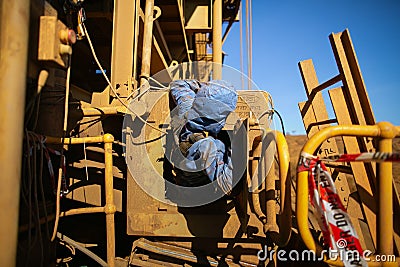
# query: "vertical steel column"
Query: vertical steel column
109,208
217,40
122,43
385,193
14,32
147,41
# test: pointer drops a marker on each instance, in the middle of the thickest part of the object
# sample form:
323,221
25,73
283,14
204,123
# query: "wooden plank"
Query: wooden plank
356,96
310,81
357,77
317,113
360,174
350,93
122,46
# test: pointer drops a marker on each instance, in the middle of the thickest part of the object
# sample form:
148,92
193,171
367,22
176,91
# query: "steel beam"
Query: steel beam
14,32
147,41
122,45
217,39
385,192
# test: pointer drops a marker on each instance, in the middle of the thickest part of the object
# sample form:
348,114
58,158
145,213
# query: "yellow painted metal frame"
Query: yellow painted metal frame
285,212
109,209
386,132
280,234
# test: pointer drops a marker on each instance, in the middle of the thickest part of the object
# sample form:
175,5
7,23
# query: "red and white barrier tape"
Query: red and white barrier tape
366,156
335,223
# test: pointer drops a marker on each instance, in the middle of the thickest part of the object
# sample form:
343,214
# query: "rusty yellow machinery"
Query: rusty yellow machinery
88,179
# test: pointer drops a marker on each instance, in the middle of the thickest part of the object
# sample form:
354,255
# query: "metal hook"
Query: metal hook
157,12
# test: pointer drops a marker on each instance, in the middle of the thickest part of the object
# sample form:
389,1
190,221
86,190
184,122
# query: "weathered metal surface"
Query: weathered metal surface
198,16
175,255
361,178
123,46
314,118
14,33
217,39
352,78
51,48
172,24
117,27
359,112
147,41
150,217
109,207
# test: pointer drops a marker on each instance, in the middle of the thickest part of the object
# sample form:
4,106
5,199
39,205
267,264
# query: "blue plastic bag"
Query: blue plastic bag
205,107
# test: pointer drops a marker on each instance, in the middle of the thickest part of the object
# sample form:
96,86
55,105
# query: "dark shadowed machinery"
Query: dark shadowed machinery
87,133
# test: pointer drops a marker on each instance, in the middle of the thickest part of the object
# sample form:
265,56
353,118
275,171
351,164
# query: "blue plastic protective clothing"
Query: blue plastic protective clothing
205,107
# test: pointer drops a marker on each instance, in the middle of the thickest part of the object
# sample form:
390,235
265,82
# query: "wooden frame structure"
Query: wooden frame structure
351,105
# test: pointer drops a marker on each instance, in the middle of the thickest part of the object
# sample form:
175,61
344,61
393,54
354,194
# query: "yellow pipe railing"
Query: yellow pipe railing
285,211
386,132
279,234
109,209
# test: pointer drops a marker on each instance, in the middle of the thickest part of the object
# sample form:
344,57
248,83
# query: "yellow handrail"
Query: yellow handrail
280,234
109,209
386,131
285,222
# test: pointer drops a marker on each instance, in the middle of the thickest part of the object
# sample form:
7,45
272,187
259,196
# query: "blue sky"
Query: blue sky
286,32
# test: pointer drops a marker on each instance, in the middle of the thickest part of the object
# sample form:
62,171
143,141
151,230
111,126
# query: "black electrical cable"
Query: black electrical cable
271,112
30,106
36,200
92,123
37,112
29,201
144,77
281,120
64,133
88,121
31,183
42,190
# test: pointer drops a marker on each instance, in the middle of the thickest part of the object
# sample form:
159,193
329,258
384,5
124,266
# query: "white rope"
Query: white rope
75,244
247,43
60,170
157,82
110,85
250,69
241,44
